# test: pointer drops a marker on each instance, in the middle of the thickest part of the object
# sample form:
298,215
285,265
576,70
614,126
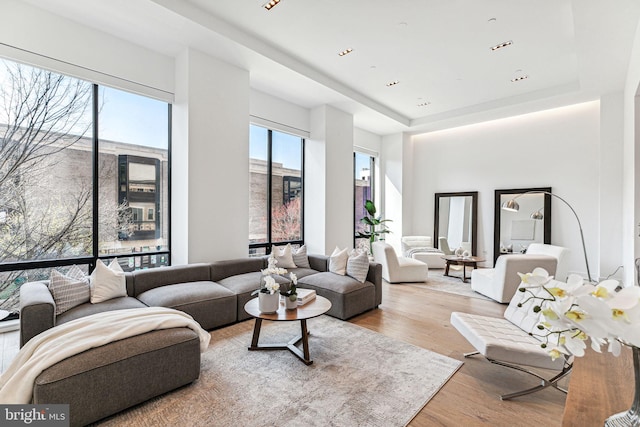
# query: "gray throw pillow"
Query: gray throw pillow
70,289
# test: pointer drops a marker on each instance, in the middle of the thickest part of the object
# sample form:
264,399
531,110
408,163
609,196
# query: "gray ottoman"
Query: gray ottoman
105,380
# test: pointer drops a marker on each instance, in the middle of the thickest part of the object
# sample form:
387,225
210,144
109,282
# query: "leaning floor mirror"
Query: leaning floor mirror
514,231
456,220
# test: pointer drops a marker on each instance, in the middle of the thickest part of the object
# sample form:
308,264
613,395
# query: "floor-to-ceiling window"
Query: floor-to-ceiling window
363,168
62,141
275,189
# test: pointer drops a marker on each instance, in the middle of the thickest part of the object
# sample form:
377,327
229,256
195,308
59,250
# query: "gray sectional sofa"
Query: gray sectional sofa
213,294
141,367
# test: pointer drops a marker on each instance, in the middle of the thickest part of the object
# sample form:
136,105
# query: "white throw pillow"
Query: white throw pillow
338,261
107,282
300,258
358,265
69,290
284,256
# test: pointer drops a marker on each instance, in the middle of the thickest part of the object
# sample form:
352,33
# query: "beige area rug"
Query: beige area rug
358,378
453,285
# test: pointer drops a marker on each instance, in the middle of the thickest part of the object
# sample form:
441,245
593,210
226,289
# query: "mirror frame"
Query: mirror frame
498,210
474,219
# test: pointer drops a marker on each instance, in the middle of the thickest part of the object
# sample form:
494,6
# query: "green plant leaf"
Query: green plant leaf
370,207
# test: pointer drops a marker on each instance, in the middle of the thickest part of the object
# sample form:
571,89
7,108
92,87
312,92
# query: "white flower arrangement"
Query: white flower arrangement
577,311
269,282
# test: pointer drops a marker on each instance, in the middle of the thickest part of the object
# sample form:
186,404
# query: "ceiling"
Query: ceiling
438,51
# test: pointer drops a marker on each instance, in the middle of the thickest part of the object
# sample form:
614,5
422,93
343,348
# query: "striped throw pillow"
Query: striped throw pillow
358,265
70,289
300,258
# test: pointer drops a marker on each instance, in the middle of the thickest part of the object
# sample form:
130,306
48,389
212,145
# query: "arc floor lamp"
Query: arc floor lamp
513,206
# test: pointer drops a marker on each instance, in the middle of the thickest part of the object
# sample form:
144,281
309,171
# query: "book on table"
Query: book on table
305,295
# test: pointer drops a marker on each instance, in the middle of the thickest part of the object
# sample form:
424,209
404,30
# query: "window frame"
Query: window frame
92,259
372,180
269,243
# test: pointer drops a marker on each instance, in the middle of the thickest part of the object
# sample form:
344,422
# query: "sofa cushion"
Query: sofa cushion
348,296
242,285
87,309
143,280
209,303
108,379
302,272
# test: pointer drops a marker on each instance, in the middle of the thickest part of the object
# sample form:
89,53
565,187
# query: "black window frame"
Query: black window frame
93,259
372,175
253,247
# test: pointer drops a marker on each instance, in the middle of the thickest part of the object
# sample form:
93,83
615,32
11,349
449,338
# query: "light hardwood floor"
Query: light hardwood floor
415,314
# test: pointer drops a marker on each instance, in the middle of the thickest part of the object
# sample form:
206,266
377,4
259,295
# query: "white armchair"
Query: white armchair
398,269
558,252
421,248
501,282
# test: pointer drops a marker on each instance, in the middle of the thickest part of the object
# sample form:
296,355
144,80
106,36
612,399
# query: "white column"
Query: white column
611,178
328,211
210,177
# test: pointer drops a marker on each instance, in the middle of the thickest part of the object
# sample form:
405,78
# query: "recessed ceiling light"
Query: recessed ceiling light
345,52
393,83
501,45
270,4
424,104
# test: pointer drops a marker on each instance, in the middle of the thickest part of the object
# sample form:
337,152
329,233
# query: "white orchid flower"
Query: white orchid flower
294,278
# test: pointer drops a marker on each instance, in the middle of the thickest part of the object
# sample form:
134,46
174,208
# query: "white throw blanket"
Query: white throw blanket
65,340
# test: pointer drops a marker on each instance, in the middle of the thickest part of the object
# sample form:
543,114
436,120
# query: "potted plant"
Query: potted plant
375,227
289,293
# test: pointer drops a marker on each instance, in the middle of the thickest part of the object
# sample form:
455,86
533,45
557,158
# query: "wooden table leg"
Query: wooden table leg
305,340
256,334
446,268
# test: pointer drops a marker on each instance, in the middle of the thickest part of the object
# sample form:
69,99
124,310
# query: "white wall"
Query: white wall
275,113
216,166
114,61
631,168
557,148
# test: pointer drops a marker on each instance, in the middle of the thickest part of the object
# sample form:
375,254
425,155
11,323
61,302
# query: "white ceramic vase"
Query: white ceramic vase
290,305
268,303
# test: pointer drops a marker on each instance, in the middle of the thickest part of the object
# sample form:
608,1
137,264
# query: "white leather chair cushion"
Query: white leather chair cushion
499,339
507,339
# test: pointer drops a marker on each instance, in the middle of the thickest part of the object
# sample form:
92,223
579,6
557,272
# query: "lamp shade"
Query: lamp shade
537,215
511,205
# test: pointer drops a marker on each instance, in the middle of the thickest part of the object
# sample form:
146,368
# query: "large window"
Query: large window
363,168
275,189
61,186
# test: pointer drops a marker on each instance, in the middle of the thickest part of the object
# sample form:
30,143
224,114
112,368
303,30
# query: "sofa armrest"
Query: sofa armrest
37,310
319,262
374,275
231,267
